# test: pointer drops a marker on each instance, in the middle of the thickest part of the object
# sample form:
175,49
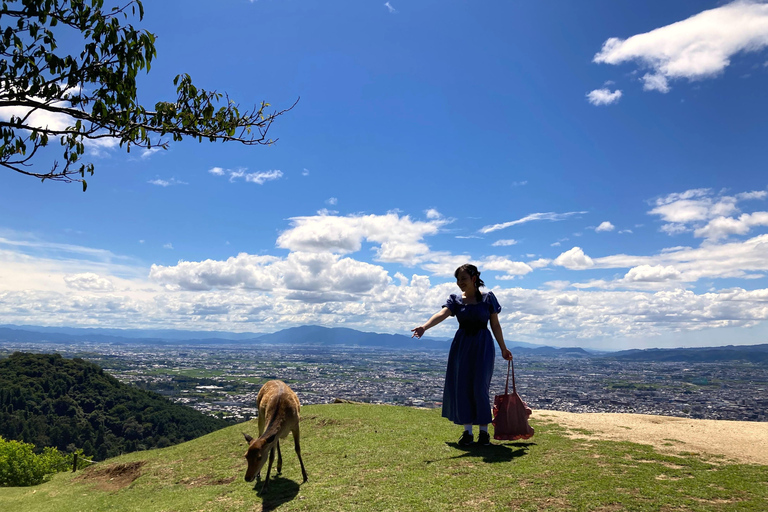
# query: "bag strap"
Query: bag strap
510,368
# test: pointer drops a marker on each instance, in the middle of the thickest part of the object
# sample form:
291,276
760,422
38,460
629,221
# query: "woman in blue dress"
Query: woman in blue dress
466,398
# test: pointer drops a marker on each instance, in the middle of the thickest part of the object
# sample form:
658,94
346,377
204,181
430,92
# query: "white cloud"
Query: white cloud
167,183
605,226
305,172
603,97
504,243
539,263
389,7
147,152
696,48
332,201
755,194
708,215
624,231
89,281
519,183
723,227
55,121
400,239
253,177
509,267
574,259
262,177
433,214
169,245
551,216
655,273
246,292
655,82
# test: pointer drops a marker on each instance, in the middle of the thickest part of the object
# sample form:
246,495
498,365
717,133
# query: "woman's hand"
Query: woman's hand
418,332
506,354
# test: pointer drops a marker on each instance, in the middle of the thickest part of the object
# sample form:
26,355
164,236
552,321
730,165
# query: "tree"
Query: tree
91,92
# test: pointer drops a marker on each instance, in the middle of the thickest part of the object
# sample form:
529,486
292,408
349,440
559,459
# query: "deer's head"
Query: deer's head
256,455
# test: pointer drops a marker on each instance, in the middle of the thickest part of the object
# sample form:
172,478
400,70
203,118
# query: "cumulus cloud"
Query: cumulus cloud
695,48
550,216
679,267
655,273
574,259
708,215
299,272
247,292
509,267
504,243
399,239
89,281
723,227
433,214
539,263
605,226
603,97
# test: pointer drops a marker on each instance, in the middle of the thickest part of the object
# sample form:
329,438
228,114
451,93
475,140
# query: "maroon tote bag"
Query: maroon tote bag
510,413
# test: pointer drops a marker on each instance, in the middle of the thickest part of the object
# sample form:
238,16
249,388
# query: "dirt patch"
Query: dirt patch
203,480
113,477
739,441
320,421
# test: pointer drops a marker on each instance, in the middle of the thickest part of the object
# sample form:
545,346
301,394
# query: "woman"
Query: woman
466,400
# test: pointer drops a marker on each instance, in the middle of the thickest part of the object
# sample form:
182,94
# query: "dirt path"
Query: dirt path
741,441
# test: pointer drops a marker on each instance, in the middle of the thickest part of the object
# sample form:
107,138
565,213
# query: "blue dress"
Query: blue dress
466,399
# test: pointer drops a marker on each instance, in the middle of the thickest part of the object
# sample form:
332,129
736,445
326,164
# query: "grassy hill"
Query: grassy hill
371,458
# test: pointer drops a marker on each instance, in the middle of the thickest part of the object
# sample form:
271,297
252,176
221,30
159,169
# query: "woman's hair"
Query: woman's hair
473,272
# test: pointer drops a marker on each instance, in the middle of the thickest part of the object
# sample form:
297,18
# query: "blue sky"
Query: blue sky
603,164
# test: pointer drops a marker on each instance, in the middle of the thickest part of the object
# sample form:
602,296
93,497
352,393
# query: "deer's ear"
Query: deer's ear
271,438
248,439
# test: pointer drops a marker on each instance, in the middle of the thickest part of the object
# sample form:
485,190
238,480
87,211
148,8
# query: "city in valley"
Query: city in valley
223,380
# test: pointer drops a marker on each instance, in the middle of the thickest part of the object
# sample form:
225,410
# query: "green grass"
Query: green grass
371,458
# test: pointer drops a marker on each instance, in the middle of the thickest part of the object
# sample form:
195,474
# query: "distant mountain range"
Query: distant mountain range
751,353
312,335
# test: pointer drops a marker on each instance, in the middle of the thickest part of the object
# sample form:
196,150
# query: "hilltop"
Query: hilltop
48,400
386,458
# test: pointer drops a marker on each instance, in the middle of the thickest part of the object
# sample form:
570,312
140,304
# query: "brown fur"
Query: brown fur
278,415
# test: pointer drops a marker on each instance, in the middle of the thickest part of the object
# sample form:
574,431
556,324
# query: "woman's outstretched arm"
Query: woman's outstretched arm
436,319
496,329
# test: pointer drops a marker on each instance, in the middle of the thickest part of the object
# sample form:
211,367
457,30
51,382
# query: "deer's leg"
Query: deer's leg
297,445
279,459
269,468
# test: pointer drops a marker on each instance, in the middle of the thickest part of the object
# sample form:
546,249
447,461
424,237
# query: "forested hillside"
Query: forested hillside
48,400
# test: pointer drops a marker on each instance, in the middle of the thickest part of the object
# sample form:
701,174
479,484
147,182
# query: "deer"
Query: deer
278,415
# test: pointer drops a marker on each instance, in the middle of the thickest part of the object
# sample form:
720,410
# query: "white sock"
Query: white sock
483,428
468,428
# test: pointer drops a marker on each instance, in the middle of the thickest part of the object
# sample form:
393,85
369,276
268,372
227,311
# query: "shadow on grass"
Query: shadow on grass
281,490
492,453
